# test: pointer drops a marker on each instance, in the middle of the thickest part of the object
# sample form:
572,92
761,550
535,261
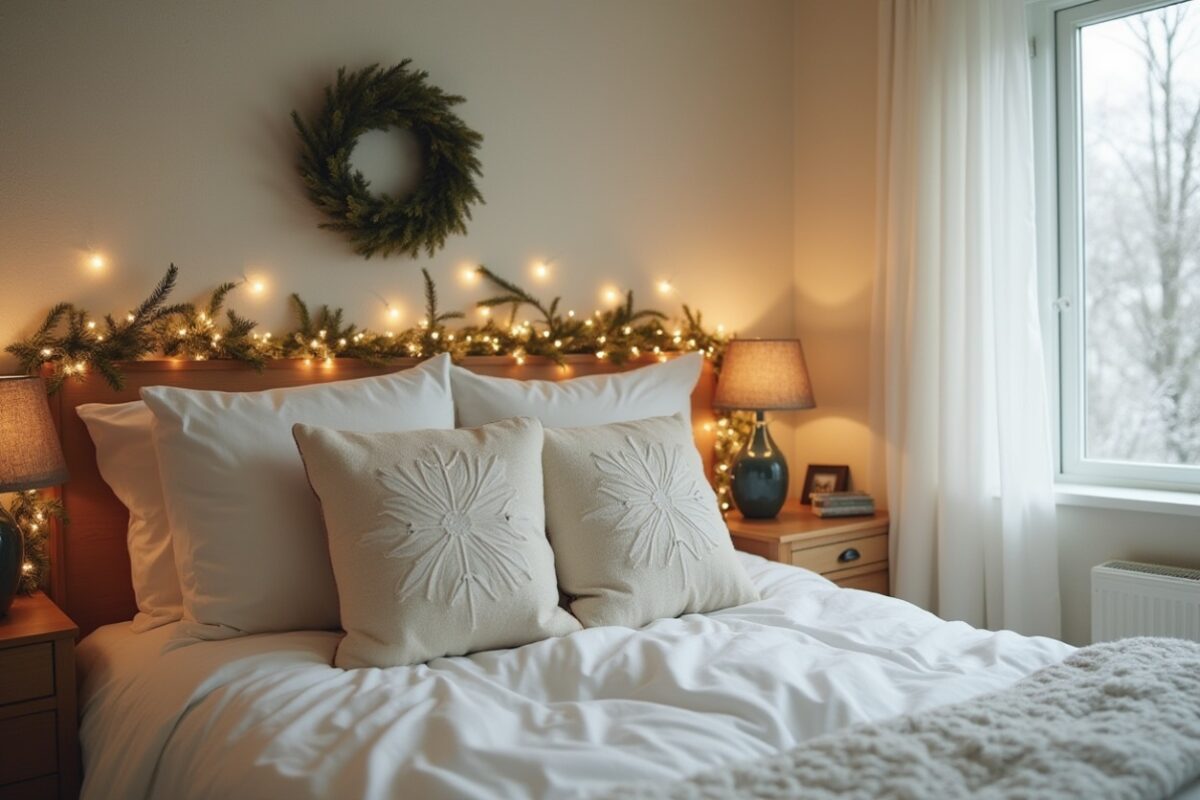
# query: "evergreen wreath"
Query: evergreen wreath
378,99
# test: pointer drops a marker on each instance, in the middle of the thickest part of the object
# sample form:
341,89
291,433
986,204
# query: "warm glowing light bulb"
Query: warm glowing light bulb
469,276
541,270
257,286
394,313
611,295
484,311
665,287
96,261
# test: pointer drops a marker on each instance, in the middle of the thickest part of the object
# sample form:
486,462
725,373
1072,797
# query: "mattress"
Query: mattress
266,716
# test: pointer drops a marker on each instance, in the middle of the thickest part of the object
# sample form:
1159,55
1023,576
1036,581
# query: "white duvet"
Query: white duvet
266,716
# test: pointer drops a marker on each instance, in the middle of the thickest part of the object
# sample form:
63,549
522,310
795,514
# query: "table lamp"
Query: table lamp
30,458
762,375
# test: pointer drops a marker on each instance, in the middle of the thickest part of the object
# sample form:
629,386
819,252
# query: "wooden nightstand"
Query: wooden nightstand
39,738
850,551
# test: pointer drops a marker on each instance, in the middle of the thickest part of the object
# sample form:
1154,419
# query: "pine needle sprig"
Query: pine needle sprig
434,337
33,512
71,343
199,334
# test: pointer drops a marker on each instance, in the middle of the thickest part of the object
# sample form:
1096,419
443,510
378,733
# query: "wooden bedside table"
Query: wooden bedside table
850,551
39,738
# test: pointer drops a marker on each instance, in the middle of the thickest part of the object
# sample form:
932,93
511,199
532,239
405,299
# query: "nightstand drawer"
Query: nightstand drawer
43,788
28,747
871,582
841,555
28,672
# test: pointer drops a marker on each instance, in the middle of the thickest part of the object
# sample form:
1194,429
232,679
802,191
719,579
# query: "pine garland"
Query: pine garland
69,343
33,513
73,343
378,99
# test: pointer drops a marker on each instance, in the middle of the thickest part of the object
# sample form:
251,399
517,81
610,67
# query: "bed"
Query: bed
267,715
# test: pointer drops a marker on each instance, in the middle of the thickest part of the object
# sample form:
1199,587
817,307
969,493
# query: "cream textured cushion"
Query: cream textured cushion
247,532
437,540
658,390
635,527
125,456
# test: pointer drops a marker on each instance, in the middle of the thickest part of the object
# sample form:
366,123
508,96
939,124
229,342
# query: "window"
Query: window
1121,97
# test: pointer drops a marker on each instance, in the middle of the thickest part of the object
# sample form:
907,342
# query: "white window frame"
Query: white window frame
1054,39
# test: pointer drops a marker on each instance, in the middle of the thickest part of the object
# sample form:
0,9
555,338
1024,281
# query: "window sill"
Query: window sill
1153,501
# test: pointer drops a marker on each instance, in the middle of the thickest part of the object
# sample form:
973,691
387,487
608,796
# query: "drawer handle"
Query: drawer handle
849,554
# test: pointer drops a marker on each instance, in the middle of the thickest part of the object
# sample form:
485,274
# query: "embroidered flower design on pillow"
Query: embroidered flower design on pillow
648,493
456,526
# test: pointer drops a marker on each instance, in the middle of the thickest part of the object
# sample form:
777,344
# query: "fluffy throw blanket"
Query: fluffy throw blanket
1115,720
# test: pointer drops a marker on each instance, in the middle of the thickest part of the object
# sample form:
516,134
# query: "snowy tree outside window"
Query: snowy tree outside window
1138,206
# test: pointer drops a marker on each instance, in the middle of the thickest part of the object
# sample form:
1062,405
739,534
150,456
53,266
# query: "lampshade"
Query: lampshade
764,375
30,455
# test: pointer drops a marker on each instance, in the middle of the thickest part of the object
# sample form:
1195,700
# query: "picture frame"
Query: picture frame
824,478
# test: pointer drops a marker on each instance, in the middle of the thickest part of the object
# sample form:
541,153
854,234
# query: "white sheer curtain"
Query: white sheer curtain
959,401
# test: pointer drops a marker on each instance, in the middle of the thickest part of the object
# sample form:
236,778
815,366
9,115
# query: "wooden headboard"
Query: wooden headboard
89,572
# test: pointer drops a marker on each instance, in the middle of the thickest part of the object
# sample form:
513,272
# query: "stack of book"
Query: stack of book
842,504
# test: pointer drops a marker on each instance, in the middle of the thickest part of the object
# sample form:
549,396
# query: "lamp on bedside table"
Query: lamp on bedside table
30,458
762,375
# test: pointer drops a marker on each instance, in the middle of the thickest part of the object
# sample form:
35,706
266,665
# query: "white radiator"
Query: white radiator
1132,599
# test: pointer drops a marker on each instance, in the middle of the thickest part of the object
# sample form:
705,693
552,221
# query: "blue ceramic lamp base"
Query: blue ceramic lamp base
12,557
759,480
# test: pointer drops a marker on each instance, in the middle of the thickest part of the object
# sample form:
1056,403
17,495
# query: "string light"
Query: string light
607,334
96,261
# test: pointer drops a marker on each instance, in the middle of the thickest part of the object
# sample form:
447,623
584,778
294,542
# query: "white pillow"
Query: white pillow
634,525
658,390
125,456
247,532
437,540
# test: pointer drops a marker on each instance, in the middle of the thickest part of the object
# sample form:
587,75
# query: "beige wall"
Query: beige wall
628,141
835,225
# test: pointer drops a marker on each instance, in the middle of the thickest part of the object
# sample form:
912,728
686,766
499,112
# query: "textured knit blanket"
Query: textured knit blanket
1115,720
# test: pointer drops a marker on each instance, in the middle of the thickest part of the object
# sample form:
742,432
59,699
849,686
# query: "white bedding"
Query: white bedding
267,716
